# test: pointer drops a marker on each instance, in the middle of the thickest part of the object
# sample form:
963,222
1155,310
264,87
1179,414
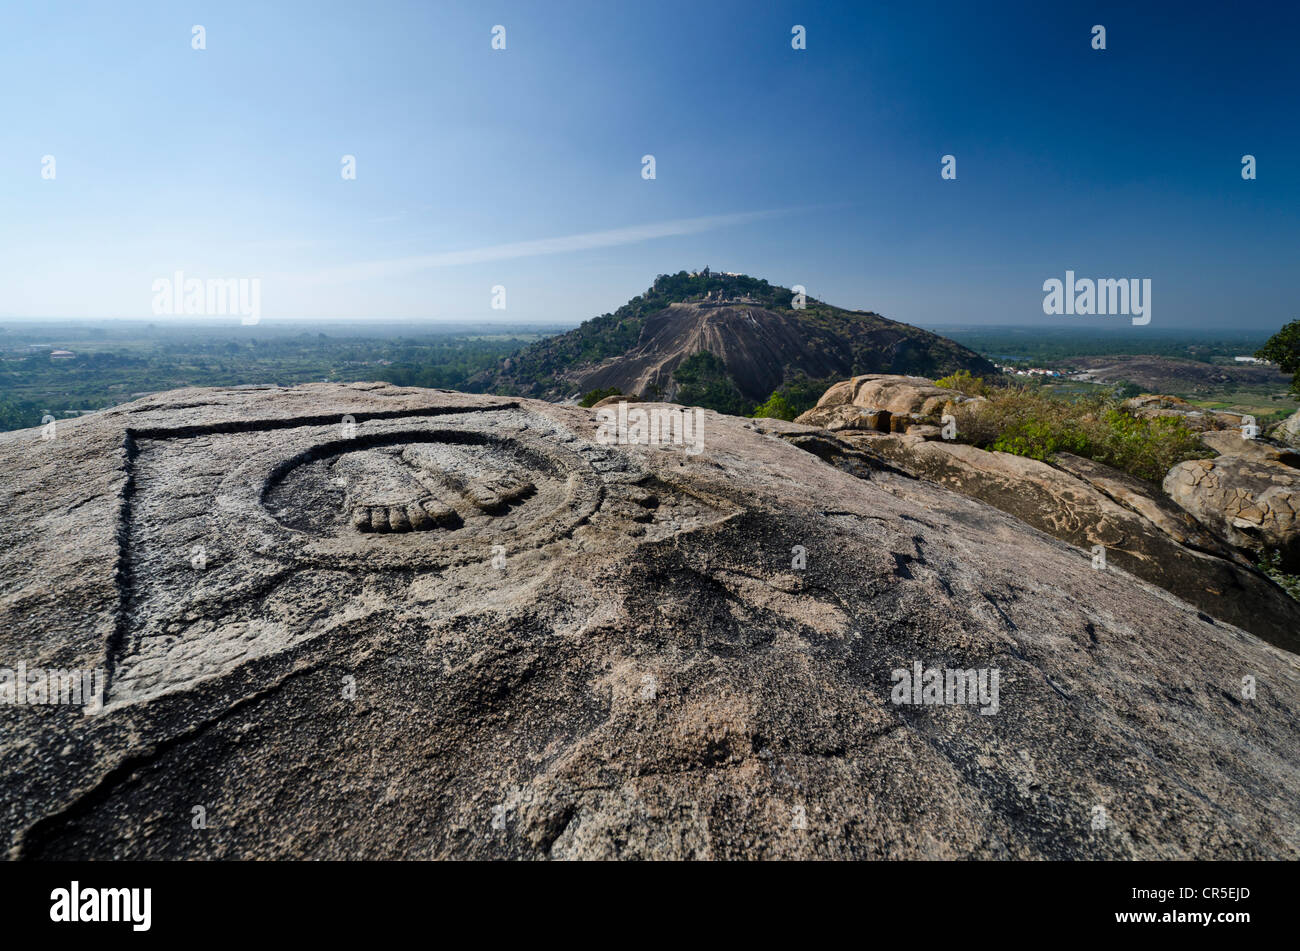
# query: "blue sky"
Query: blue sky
817,167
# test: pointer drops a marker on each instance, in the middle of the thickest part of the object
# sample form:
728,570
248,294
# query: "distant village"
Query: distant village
1086,376
42,348
1032,371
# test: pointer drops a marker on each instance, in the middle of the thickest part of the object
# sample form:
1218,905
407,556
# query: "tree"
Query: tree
1283,348
595,396
702,380
776,407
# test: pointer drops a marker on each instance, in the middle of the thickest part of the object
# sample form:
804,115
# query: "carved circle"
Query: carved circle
421,499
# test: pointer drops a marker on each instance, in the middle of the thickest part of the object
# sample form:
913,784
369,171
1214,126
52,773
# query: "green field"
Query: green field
1063,349
115,362
1265,407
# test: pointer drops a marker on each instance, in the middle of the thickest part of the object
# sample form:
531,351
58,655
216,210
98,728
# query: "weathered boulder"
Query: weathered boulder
1287,432
883,403
846,416
1231,442
610,651
1253,503
902,422
925,431
900,395
1088,504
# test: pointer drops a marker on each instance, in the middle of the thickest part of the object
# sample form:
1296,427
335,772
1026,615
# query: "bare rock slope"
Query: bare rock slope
366,621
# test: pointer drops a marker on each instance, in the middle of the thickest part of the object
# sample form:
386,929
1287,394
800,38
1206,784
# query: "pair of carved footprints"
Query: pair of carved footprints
491,496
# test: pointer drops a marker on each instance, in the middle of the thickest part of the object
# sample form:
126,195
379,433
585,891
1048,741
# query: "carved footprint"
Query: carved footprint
391,490
419,516
383,495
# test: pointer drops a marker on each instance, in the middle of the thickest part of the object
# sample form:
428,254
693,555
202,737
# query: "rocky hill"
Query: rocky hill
761,340
372,622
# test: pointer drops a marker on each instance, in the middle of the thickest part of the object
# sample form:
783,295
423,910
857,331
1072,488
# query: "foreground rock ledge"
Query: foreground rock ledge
1199,542
647,676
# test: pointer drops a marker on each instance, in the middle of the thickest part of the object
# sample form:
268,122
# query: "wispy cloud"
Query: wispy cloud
635,234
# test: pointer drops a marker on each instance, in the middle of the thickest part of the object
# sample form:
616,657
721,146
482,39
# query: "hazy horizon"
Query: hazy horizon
375,325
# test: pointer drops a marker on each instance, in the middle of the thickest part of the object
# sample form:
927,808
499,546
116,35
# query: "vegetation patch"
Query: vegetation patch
1270,563
1026,422
595,396
964,382
702,380
776,407
1283,348
794,398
